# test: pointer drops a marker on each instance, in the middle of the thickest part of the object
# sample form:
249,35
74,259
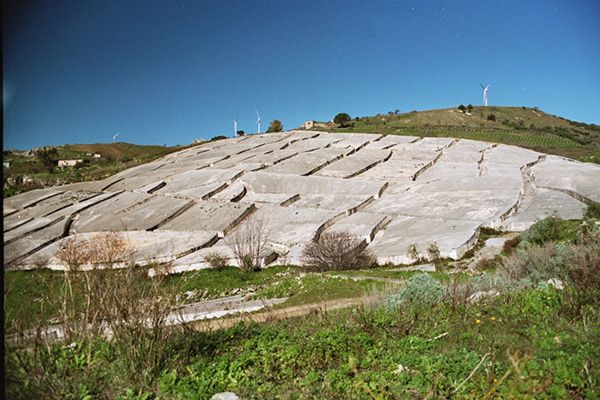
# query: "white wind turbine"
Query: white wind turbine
485,93
258,121
235,129
115,136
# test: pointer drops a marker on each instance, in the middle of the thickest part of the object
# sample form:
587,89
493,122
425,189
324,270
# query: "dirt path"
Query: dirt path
278,314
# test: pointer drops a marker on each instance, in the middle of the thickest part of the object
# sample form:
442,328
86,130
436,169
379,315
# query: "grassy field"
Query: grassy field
519,126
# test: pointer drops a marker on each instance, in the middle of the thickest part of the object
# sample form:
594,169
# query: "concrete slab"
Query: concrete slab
580,180
544,204
453,238
362,225
210,216
143,248
129,211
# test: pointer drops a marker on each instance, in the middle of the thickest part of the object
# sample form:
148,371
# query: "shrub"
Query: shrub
420,288
342,119
593,211
248,243
491,117
216,260
275,126
462,108
335,251
536,263
413,252
433,251
545,230
583,261
510,245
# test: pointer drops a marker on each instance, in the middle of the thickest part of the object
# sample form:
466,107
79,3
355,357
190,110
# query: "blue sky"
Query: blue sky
168,72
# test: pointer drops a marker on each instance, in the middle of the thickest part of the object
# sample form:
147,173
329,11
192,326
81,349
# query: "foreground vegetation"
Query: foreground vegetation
524,326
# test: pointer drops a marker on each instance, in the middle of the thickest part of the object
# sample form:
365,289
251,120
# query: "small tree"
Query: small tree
335,251
462,108
342,119
413,252
433,251
469,108
492,117
248,243
48,158
275,126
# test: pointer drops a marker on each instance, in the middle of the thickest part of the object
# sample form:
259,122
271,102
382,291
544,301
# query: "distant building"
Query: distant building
6,164
309,125
97,155
69,163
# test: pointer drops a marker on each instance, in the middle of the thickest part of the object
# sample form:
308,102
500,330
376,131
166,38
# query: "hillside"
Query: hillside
24,171
521,126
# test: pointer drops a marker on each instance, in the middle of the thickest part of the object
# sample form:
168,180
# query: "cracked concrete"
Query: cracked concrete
391,191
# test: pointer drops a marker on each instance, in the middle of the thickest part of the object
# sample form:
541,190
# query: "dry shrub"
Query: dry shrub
123,305
536,263
216,260
335,251
583,262
248,243
510,245
105,248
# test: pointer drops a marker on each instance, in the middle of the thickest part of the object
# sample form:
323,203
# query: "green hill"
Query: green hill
26,171
520,126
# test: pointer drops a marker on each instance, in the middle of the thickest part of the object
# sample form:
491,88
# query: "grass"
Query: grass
527,344
519,126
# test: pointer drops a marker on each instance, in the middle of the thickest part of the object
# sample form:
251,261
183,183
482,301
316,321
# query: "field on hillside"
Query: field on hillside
519,126
28,171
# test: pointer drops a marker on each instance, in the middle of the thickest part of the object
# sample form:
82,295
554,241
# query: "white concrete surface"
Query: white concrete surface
391,191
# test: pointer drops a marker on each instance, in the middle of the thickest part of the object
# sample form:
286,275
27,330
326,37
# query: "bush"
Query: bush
342,119
275,126
336,251
462,108
593,211
536,263
491,117
433,251
216,260
510,245
583,261
545,230
248,243
413,252
420,288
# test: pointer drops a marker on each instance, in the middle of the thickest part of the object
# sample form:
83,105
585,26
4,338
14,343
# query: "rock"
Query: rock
557,283
477,296
225,396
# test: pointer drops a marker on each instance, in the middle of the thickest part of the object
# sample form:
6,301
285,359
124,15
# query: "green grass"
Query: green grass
540,343
30,296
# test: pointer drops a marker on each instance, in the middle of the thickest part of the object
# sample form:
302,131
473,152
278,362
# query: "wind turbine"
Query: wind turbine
114,137
485,93
258,121
235,129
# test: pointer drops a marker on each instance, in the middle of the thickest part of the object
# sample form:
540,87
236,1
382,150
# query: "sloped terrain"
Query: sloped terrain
391,191
520,126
